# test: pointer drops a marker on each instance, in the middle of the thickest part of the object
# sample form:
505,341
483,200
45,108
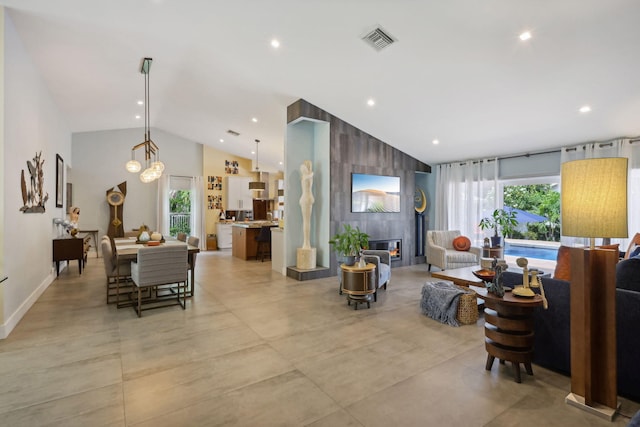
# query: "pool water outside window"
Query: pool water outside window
532,249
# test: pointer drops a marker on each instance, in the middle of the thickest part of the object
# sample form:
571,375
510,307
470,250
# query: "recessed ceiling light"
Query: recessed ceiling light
140,102
280,162
585,109
253,152
435,142
525,36
371,102
138,117
254,120
275,43
221,140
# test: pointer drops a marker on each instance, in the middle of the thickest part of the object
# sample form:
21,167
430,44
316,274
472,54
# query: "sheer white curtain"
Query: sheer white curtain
623,147
163,205
466,192
198,223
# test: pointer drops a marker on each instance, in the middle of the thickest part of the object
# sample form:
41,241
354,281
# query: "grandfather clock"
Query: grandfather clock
115,198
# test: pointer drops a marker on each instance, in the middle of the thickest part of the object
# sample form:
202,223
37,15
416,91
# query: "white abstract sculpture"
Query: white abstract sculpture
306,255
306,201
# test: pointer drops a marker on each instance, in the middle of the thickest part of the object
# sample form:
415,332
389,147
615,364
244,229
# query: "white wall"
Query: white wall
32,123
307,139
99,159
322,186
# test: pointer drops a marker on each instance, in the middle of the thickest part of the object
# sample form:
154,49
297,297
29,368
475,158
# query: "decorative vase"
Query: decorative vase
155,236
349,260
144,236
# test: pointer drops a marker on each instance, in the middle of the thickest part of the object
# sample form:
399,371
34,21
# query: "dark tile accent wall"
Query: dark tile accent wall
354,151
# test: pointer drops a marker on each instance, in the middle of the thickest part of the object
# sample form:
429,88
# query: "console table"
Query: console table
508,329
94,236
70,248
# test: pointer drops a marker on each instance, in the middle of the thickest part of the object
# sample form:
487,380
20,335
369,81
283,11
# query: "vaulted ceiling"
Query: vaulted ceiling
458,71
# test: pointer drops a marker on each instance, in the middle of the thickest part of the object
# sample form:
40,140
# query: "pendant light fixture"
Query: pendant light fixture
153,166
259,184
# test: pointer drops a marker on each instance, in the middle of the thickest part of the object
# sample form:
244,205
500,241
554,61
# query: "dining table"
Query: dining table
126,249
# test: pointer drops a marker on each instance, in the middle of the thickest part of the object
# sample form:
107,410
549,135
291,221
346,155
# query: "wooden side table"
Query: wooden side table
508,329
359,283
495,252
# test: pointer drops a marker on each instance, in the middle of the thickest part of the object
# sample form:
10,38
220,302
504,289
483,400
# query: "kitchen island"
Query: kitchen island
244,245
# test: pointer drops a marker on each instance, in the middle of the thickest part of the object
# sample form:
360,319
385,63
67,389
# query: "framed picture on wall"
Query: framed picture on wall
59,180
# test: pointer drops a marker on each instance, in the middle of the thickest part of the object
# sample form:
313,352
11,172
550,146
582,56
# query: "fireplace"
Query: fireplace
394,246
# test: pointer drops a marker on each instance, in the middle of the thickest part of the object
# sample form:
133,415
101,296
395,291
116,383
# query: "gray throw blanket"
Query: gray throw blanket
440,301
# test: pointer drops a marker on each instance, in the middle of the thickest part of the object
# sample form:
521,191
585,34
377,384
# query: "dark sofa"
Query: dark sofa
552,329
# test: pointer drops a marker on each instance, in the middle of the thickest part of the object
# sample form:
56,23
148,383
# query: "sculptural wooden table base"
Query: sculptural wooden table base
509,329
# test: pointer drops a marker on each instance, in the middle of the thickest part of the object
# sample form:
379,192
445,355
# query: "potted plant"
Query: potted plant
500,220
349,243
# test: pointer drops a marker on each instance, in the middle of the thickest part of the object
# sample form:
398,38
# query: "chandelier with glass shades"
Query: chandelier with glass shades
153,166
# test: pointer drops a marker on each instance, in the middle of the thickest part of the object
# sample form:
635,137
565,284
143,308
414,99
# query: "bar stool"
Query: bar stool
264,243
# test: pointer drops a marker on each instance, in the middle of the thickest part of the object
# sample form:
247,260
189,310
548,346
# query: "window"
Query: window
179,212
180,201
536,202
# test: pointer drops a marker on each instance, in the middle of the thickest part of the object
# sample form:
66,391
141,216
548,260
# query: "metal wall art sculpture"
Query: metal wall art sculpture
34,196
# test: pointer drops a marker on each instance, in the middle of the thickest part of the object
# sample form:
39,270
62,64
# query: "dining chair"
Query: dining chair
192,241
182,237
111,271
159,268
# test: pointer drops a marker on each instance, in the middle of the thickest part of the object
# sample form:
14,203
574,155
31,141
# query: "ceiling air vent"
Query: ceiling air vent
233,132
378,39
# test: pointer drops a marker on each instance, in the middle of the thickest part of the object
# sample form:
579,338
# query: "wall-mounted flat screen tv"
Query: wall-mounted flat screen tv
375,193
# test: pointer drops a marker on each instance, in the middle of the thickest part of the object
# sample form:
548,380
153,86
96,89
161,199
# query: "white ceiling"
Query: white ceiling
458,73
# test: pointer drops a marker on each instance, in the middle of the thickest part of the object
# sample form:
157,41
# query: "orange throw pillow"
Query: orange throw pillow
563,261
461,243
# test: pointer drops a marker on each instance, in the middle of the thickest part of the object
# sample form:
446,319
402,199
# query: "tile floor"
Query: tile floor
254,348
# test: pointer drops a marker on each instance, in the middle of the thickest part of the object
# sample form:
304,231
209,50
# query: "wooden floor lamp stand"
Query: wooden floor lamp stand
593,332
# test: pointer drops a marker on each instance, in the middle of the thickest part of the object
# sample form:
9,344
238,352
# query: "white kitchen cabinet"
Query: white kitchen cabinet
279,206
224,235
237,194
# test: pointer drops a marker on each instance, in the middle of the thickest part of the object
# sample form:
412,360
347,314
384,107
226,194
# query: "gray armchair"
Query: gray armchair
111,271
440,251
159,266
382,261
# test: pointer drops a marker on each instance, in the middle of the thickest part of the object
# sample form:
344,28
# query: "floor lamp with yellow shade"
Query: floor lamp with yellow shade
594,205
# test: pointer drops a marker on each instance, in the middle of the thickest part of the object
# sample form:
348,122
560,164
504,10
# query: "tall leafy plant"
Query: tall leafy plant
501,221
350,242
